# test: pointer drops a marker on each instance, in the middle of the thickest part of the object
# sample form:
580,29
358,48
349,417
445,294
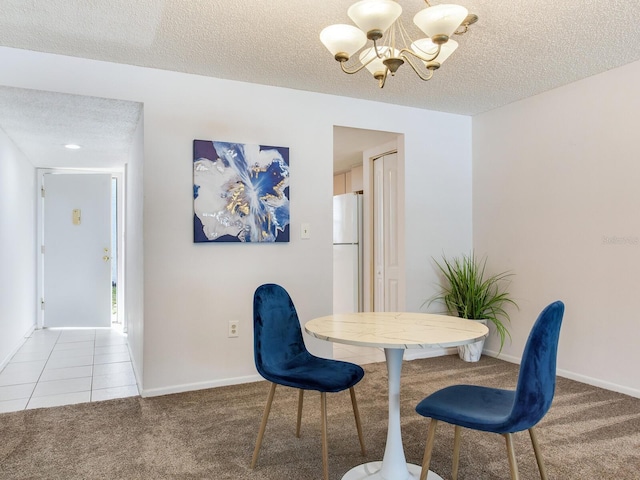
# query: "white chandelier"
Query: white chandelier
379,21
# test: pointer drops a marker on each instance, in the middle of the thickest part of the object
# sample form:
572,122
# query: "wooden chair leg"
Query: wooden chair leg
426,460
513,464
325,450
536,450
300,398
263,425
456,452
356,414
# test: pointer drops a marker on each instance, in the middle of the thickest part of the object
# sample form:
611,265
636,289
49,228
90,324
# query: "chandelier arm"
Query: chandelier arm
417,70
391,42
404,34
351,72
419,56
383,79
375,49
356,68
464,26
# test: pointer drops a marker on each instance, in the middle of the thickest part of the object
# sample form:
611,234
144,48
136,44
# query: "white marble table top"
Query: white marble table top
396,330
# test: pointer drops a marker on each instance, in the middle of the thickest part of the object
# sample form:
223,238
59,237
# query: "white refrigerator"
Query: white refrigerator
347,253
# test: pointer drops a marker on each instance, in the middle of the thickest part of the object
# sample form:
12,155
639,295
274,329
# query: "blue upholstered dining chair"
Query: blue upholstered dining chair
282,358
502,411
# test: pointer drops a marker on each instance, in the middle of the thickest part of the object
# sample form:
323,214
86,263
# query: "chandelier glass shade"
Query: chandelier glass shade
371,15
379,21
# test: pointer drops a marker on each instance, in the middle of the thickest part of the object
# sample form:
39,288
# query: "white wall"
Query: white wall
438,202
134,252
556,199
17,248
191,291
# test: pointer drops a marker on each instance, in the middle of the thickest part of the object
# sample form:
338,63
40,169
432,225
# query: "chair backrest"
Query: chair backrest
277,337
537,377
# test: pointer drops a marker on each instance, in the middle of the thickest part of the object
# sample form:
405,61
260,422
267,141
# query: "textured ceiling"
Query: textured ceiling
41,123
519,48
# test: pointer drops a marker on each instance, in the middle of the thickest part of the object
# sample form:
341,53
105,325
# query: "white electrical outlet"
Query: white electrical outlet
233,328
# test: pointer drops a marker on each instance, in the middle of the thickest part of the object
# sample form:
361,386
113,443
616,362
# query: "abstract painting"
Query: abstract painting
240,192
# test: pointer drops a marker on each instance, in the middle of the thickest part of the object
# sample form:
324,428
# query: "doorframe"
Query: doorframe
368,156
120,202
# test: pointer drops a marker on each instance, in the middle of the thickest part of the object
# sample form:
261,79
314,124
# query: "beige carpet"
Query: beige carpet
589,433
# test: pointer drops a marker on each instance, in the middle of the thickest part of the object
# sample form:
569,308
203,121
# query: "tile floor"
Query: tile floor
358,355
65,366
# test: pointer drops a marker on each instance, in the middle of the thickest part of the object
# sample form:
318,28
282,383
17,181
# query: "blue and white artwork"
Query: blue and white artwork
240,192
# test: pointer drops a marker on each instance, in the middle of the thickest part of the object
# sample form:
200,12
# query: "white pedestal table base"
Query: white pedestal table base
371,471
393,465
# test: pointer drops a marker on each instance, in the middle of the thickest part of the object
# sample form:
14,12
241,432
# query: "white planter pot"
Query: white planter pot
472,351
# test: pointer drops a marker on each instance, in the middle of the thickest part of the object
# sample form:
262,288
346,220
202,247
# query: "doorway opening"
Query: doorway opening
115,318
354,173
110,132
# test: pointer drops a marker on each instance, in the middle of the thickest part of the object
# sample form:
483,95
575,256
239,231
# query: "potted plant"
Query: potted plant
468,293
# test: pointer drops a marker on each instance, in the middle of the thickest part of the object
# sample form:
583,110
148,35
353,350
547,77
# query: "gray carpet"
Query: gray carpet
210,434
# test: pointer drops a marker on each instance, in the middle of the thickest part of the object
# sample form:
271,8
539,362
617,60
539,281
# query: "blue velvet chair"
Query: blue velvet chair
282,358
502,411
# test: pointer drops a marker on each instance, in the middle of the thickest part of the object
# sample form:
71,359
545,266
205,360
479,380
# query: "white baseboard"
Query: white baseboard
5,361
187,387
596,382
502,356
410,354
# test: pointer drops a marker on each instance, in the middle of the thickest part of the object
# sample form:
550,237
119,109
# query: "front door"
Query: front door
77,250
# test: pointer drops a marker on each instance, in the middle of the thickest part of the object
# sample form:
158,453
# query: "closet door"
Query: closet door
386,234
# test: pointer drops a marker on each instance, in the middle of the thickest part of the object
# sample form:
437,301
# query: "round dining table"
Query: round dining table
395,332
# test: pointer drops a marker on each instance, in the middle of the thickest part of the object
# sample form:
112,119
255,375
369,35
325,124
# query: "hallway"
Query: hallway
66,366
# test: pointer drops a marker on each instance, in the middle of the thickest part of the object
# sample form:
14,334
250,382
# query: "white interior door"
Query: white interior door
378,235
77,250
386,234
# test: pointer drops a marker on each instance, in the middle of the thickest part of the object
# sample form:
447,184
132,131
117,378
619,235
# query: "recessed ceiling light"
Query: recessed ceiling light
72,146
